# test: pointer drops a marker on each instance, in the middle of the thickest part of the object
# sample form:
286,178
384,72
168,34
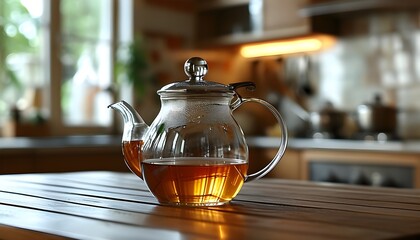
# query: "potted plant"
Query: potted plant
133,68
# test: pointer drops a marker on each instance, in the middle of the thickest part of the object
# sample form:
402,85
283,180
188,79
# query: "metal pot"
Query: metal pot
376,117
328,121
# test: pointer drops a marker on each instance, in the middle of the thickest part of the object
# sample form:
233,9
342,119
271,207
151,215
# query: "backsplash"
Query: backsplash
384,61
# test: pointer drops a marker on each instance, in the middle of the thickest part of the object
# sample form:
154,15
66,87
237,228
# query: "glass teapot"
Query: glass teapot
194,153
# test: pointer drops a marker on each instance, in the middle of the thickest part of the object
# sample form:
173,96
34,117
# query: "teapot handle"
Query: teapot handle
283,137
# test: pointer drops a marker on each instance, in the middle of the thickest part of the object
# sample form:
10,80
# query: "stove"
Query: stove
376,136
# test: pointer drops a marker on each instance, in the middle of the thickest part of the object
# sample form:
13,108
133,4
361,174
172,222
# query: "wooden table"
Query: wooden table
109,205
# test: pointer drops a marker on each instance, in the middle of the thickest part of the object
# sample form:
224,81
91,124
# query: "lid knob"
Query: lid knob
196,68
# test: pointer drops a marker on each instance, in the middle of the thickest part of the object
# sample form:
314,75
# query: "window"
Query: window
86,53
56,62
21,57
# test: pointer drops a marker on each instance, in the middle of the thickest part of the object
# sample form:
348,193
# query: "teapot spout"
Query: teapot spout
131,119
134,133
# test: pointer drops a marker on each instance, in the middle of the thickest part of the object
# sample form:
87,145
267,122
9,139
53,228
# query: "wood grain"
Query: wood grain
110,205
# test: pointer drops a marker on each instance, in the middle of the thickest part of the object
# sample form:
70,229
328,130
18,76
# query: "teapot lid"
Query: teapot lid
195,68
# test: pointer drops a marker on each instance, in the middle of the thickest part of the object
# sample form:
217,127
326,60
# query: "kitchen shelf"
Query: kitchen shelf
222,24
340,7
218,4
241,38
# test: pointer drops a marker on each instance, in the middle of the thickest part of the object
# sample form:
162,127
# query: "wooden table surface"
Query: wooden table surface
109,205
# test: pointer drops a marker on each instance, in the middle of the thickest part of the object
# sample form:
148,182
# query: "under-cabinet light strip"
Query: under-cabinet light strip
290,46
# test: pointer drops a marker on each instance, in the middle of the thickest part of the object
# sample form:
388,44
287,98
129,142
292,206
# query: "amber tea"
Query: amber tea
194,181
132,156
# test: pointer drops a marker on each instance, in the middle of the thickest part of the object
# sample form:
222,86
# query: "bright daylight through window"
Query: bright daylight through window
56,62
21,55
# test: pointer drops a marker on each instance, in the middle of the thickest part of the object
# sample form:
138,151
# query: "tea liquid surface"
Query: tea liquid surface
194,181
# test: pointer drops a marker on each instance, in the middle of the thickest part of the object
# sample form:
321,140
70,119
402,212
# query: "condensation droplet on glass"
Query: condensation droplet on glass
225,129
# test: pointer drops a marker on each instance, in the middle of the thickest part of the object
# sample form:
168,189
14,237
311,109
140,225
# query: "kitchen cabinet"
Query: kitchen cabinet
234,22
61,160
289,166
282,17
366,168
375,168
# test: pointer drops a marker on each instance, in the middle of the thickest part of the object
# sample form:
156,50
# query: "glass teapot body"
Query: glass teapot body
195,127
194,152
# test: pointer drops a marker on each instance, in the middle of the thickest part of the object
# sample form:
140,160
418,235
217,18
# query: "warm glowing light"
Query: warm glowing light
291,46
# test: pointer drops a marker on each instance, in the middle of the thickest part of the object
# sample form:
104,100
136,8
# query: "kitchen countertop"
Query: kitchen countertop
60,142
337,144
412,146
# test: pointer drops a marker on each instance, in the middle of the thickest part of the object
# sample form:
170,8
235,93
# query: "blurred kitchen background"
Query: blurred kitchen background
344,74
